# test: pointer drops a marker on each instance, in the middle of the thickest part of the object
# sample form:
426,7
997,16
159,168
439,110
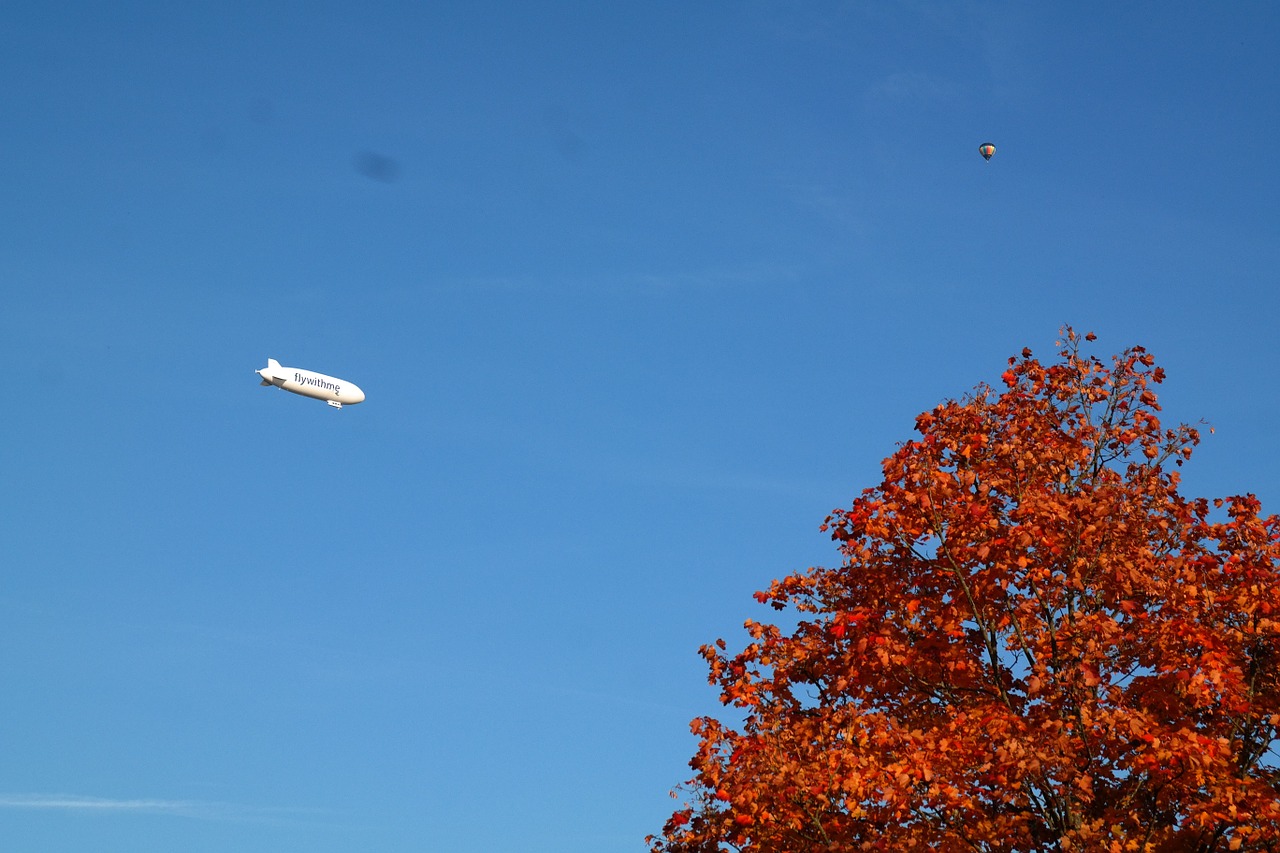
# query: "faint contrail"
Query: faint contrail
68,801
198,809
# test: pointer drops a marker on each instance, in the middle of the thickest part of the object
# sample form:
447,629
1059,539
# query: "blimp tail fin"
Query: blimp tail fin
268,373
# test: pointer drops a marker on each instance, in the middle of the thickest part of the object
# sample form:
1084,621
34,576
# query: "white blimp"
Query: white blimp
308,383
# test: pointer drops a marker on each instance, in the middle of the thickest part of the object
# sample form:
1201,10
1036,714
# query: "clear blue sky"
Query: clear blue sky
638,293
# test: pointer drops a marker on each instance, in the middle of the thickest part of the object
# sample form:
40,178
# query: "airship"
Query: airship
308,383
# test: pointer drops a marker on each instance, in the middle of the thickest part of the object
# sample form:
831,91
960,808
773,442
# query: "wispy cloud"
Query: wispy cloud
70,802
94,803
203,810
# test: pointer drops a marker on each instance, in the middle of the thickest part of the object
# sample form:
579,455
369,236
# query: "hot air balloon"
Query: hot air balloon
986,149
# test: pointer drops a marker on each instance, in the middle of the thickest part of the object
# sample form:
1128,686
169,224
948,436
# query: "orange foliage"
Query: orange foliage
1034,643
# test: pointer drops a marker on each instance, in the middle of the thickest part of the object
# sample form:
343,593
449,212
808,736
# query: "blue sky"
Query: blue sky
637,292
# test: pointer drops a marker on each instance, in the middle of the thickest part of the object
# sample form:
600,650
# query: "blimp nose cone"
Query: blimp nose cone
357,396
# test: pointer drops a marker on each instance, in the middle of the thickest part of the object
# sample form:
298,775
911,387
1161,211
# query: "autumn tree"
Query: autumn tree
1033,643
